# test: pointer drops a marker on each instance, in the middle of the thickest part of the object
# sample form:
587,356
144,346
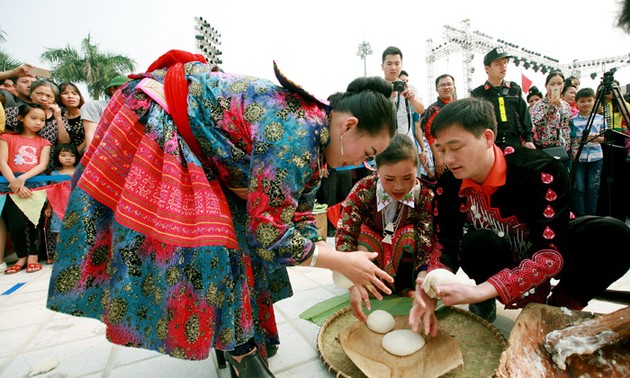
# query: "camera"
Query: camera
609,78
399,85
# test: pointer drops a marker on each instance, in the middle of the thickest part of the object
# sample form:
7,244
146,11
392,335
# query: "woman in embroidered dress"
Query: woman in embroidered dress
389,213
552,116
196,194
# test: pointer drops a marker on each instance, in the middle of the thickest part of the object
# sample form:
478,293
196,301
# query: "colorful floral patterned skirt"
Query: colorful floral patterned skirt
129,261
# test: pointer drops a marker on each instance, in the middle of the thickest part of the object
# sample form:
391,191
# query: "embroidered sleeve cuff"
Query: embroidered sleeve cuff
513,285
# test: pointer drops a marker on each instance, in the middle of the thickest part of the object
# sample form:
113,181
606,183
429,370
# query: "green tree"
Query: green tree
6,62
89,65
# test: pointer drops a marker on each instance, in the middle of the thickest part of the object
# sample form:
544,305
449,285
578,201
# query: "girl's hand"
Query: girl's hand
16,184
24,192
423,311
358,296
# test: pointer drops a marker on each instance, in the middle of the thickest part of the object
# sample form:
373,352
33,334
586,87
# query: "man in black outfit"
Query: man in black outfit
503,217
514,124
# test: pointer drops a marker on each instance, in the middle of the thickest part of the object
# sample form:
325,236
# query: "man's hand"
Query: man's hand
457,293
23,70
529,145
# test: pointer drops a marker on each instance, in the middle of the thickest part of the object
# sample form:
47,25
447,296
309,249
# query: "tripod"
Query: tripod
612,136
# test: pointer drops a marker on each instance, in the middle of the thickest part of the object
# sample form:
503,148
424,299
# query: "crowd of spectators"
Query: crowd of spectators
68,124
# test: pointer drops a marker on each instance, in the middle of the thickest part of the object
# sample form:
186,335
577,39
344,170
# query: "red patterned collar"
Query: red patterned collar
495,179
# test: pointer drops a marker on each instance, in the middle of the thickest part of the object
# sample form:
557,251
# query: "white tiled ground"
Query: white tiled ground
29,333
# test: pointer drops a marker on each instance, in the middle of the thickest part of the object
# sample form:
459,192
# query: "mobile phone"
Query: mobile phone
40,72
556,91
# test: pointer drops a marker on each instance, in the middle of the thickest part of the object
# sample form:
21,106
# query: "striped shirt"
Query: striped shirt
592,151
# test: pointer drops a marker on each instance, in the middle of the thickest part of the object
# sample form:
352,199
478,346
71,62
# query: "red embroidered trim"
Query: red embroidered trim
152,192
512,284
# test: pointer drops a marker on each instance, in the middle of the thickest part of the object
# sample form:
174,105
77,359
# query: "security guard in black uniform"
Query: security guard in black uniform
514,124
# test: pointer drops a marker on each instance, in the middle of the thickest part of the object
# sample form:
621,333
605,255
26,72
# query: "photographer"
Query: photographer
404,96
615,179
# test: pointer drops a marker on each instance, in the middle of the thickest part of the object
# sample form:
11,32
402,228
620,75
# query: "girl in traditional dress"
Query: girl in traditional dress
66,158
389,213
195,195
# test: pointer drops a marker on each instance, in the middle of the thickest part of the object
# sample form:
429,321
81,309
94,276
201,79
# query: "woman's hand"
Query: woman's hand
423,311
359,269
56,110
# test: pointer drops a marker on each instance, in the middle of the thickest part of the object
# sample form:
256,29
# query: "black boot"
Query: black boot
251,366
272,350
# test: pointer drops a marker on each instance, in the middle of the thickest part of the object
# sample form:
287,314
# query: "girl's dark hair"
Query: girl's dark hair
534,91
401,148
367,98
472,114
23,110
65,147
63,86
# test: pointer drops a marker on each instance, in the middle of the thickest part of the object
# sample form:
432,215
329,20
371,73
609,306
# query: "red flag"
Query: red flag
525,83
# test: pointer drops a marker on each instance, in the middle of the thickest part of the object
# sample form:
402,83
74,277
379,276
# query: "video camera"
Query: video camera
608,79
399,85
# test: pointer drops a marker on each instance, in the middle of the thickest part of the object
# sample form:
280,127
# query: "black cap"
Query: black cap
494,54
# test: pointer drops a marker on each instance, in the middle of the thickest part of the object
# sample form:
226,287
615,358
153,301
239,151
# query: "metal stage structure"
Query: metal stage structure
207,40
468,42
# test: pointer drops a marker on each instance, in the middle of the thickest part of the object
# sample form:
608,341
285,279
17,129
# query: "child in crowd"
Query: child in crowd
389,213
589,167
23,155
66,158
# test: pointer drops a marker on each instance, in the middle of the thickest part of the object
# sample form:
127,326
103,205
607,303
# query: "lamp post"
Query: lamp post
364,50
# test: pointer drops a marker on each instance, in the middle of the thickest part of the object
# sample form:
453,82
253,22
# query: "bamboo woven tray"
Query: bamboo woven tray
480,342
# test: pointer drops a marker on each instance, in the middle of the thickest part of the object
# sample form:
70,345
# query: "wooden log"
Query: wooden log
588,336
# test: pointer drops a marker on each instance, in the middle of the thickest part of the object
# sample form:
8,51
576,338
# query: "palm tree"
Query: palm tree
90,66
6,62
